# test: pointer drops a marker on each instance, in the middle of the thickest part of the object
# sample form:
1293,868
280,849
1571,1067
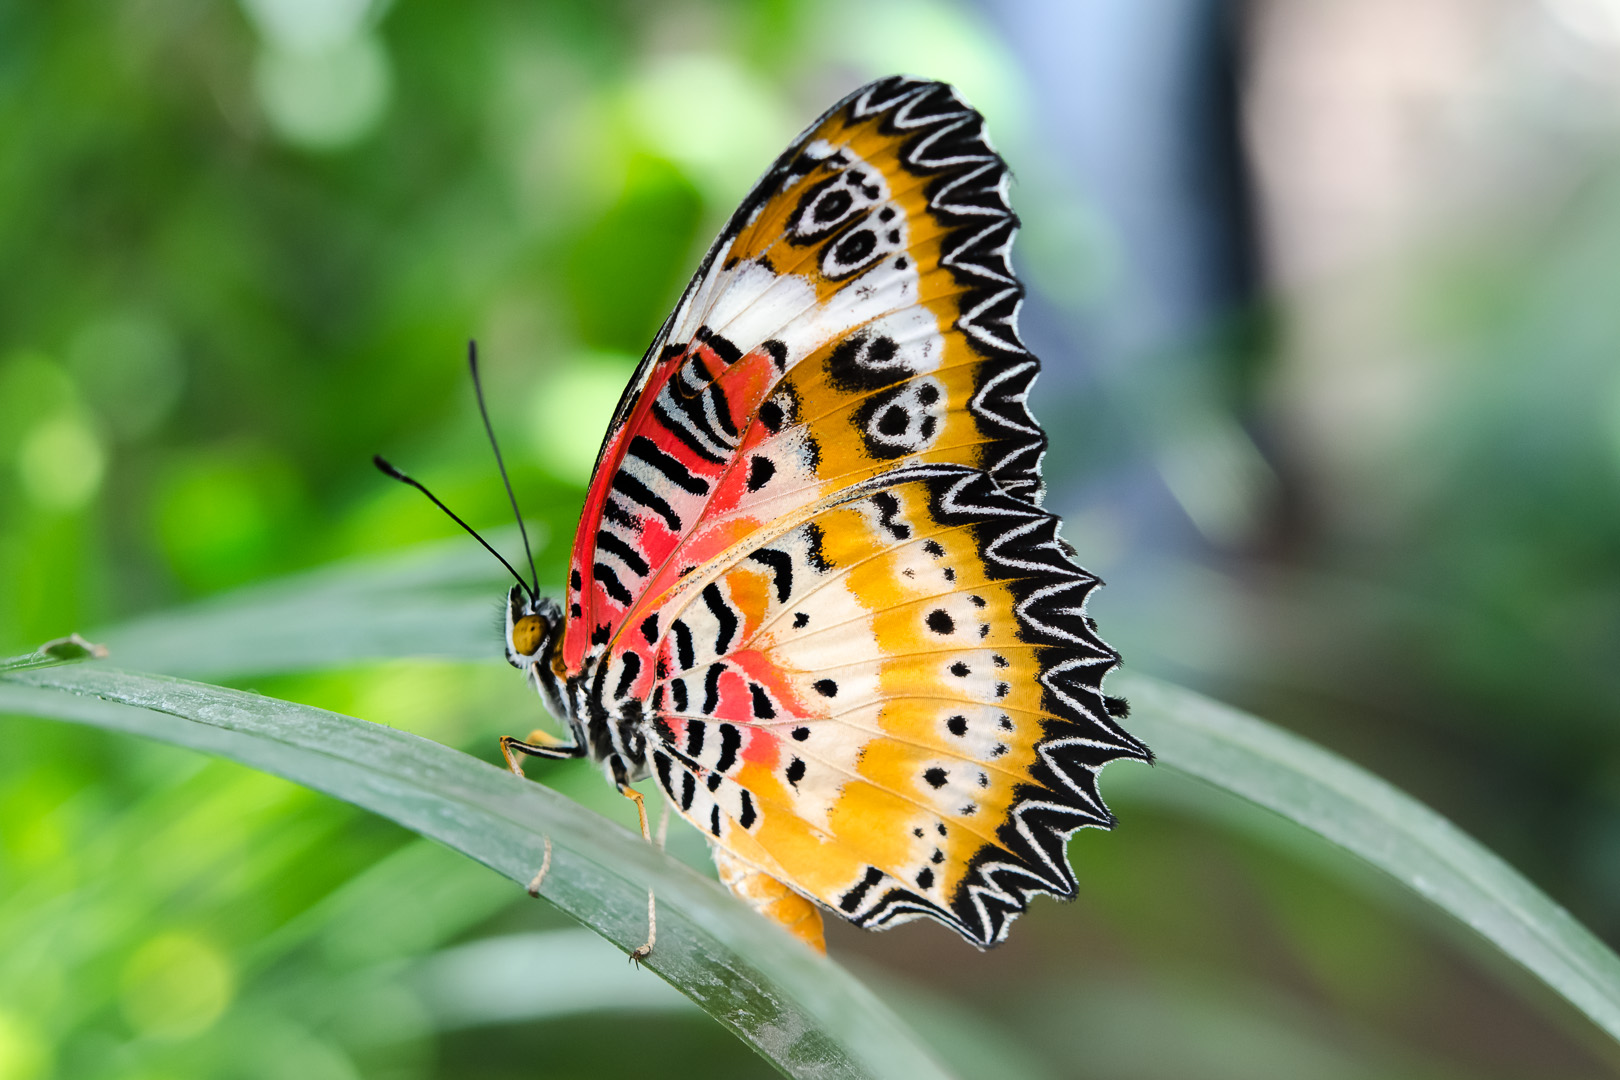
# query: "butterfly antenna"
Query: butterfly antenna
478,388
382,464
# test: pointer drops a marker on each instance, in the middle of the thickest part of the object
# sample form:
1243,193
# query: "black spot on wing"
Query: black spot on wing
723,615
613,545
609,580
781,565
670,468
730,743
640,494
627,677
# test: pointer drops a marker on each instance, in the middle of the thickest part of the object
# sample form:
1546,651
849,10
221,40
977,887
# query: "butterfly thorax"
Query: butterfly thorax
607,727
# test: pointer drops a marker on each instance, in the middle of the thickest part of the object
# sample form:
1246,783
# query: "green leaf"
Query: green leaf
801,1011
440,600
1191,734
1354,809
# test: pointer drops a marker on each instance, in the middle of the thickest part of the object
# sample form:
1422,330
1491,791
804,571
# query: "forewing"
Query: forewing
891,703
857,314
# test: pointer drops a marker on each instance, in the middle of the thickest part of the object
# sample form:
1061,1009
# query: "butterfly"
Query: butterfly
813,594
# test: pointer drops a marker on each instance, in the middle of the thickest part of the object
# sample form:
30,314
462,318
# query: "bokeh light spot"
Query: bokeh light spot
571,411
717,121
127,365
31,385
307,26
24,1054
327,99
60,463
175,986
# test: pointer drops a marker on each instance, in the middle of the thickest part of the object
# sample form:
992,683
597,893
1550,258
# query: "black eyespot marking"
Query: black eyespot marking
933,548
800,620
894,236
1002,690
574,611
917,833
854,249
940,828
984,779
832,206
1006,722
1000,748
795,771
950,574
886,214
961,670
800,734
1000,661
937,857
939,621
935,777
927,393
601,635
925,878
957,725
976,601
984,630
713,783
760,471
969,810
901,263
649,628
747,817
893,422
574,581
826,687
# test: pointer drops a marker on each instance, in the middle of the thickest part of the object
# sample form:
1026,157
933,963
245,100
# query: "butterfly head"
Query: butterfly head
533,625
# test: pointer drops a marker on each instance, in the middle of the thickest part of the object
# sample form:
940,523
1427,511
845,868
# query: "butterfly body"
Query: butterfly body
813,594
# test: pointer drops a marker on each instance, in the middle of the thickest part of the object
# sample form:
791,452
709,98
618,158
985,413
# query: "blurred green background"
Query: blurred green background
1325,295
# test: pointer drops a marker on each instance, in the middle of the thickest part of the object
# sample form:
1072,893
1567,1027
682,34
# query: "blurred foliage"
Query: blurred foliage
243,247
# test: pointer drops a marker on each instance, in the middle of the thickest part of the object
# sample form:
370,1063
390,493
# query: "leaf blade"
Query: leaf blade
1357,811
800,1011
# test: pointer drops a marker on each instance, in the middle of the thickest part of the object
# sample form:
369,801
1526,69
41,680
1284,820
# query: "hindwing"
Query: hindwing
891,703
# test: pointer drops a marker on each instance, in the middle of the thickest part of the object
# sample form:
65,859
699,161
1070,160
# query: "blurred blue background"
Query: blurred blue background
1325,297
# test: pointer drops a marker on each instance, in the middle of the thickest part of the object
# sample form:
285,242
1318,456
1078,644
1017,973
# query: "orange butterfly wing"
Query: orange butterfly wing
892,703
824,476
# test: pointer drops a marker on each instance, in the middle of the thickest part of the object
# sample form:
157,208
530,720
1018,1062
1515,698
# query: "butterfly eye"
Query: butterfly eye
526,634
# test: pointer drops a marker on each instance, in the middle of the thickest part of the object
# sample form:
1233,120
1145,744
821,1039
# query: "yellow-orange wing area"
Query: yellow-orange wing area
890,704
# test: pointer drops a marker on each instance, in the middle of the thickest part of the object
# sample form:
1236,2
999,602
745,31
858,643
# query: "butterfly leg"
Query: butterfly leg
643,951
545,746
539,744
